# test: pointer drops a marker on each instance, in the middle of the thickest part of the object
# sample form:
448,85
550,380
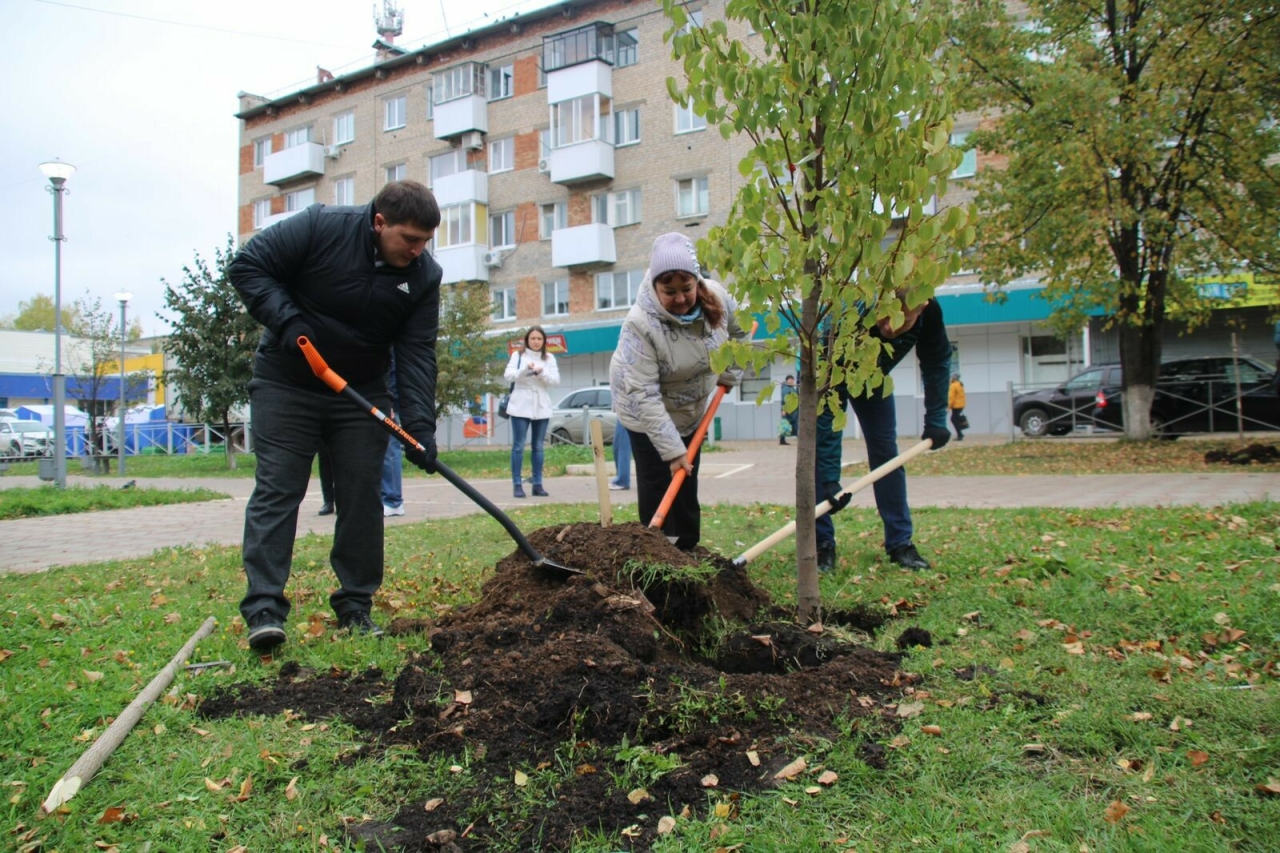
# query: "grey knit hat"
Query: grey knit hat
673,251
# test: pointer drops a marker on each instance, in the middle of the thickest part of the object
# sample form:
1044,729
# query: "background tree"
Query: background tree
36,315
466,358
212,342
1141,145
847,124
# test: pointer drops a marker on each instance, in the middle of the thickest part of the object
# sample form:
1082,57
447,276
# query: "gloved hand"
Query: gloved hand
425,458
294,329
831,492
938,435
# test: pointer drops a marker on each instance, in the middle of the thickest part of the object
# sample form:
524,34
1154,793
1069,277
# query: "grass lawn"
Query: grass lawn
1100,680
47,500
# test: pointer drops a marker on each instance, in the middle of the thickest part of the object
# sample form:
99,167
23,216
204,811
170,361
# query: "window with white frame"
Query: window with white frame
344,191
555,297
502,230
616,209
394,116
502,154
299,199
627,48
552,217
398,172
693,197
969,165
455,225
687,120
580,119
504,304
431,104
449,163
344,128
458,82
501,80
261,210
261,148
617,289
626,127
297,136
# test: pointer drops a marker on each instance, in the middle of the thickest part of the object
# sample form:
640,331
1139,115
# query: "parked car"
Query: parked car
566,426
1192,395
25,438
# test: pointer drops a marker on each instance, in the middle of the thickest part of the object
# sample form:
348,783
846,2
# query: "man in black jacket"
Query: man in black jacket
356,282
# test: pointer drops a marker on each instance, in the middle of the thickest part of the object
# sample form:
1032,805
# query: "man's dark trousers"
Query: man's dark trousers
289,425
653,476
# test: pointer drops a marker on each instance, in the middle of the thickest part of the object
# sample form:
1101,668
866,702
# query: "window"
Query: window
431,104
502,230
395,113
500,82
626,127
297,136
627,43
344,191
455,225
502,154
693,197
695,20
398,172
450,163
688,121
617,289
299,199
616,209
969,165
553,216
261,148
261,210
555,297
504,304
344,128
575,120
594,41
458,82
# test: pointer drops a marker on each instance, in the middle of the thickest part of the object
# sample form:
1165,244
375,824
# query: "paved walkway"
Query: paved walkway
743,473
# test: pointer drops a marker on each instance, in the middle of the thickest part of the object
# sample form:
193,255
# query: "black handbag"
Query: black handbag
962,420
505,399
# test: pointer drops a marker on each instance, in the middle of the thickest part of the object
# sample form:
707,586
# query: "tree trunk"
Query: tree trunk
808,597
1140,350
228,441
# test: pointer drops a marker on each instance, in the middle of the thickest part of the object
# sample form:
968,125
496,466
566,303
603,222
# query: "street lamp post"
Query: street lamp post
123,297
57,172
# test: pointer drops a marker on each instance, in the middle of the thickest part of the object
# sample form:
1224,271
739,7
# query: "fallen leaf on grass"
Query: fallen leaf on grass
1115,812
813,790
828,777
115,814
1033,748
246,788
462,697
753,757
666,825
1019,847
899,742
1271,788
291,790
433,804
710,780
638,796
936,731
91,675
1141,716
910,709
215,787
1197,757
522,779
792,770
1076,648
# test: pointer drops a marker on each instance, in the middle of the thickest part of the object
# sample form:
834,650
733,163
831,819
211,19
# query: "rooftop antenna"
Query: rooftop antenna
389,22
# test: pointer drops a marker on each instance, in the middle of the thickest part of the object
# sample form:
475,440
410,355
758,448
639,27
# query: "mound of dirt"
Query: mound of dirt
655,668
1260,454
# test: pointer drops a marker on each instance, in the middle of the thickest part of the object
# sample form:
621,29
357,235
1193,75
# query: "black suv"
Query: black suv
1192,395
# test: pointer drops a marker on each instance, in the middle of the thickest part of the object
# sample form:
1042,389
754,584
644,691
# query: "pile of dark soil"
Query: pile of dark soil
653,656
1260,454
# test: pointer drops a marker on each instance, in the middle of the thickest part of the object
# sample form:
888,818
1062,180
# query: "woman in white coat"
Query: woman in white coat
532,370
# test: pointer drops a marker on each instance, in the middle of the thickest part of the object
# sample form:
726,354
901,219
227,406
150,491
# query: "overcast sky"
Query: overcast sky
140,96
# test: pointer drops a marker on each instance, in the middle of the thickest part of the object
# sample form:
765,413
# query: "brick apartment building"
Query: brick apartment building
557,156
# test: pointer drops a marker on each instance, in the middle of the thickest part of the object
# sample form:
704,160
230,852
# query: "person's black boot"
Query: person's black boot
908,557
826,557
266,631
360,622
782,439
326,508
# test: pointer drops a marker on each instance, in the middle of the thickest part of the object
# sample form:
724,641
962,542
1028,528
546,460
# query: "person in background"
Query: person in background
661,377
533,370
392,497
327,503
621,459
924,331
955,402
792,418
354,281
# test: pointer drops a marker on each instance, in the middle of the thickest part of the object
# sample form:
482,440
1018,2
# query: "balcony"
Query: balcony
463,263
461,115
277,217
589,160
300,161
583,245
468,185
586,78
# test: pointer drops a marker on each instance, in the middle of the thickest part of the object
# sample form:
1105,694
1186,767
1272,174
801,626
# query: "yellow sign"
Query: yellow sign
1239,290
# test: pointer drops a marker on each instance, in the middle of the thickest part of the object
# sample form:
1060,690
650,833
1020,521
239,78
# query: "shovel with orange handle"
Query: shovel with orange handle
327,375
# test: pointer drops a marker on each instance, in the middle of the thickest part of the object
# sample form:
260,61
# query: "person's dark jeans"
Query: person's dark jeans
878,416
653,476
520,427
290,425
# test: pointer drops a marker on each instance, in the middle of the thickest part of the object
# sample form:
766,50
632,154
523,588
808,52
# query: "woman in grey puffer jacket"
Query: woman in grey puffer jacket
661,377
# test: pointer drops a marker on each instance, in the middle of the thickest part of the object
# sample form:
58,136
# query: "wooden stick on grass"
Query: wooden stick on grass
92,759
602,473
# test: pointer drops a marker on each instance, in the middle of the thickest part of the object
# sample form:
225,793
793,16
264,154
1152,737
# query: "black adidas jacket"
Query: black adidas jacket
322,265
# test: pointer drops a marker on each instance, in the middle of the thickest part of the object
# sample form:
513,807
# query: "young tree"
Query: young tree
94,363
846,125
1141,145
465,356
212,343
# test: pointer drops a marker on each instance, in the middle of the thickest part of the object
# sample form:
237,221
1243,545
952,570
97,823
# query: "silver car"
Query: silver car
25,438
567,423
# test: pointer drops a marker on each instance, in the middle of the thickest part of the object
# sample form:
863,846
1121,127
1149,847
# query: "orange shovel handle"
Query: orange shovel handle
677,479
319,367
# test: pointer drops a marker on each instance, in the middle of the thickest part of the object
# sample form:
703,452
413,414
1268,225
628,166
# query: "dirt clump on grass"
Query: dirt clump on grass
1253,454
655,684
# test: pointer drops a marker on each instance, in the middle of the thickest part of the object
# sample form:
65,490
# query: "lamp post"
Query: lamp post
57,172
123,297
